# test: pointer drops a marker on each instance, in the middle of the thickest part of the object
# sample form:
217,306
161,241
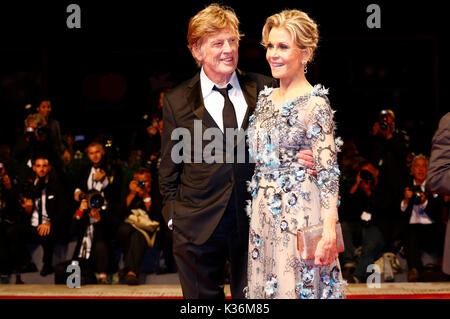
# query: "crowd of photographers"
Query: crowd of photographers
53,192
386,209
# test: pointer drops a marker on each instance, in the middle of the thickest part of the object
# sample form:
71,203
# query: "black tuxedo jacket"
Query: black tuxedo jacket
434,208
55,202
195,195
112,192
78,229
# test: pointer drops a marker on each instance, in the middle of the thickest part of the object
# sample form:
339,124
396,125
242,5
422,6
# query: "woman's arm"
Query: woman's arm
324,146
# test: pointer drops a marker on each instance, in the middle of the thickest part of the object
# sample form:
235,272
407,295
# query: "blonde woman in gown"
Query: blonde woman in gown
285,196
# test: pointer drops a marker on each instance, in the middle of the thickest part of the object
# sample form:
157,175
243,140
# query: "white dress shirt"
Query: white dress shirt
214,101
93,184
35,215
86,243
418,215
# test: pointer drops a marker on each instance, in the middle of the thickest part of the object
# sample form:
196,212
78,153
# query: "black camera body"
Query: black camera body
95,199
384,124
141,184
367,176
417,195
40,131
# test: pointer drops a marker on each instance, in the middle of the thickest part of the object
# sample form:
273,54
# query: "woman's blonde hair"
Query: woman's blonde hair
213,19
302,28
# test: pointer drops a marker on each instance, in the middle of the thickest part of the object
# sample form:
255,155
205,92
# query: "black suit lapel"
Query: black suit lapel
195,102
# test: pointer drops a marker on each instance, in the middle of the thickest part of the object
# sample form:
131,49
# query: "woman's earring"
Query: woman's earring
305,68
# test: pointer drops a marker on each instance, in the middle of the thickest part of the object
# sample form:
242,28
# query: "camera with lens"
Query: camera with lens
29,132
384,124
95,199
367,176
28,190
40,131
417,195
141,184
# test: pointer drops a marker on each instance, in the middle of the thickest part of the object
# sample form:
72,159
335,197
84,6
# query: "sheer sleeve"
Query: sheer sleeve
321,131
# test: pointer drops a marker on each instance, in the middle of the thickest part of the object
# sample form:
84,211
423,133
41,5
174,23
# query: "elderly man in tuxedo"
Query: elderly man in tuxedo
204,200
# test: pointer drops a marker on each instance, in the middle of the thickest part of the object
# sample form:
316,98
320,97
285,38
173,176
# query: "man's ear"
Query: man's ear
197,51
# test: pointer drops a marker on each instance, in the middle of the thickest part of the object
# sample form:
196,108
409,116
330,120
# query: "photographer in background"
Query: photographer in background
43,201
133,239
424,211
357,213
35,140
387,148
10,215
101,176
45,109
91,228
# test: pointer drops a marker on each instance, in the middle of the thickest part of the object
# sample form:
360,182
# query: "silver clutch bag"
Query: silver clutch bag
309,237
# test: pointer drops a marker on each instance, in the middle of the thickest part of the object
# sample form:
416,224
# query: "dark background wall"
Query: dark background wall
104,76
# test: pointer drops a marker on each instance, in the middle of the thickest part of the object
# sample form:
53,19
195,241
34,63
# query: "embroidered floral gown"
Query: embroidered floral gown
286,197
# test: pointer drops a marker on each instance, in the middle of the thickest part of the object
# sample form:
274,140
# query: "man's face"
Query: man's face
45,109
95,154
219,55
420,169
41,167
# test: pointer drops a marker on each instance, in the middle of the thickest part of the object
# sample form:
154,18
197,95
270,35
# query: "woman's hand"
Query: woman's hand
305,158
326,251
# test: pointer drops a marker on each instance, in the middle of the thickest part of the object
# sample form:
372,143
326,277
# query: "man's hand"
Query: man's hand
133,186
44,229
28,205
7,182
423,198
67,157
95,214
99,176
387,133
135,189
77,195
408,194
305,158
84,205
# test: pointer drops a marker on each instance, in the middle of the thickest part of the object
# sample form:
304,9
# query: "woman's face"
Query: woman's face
284,56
